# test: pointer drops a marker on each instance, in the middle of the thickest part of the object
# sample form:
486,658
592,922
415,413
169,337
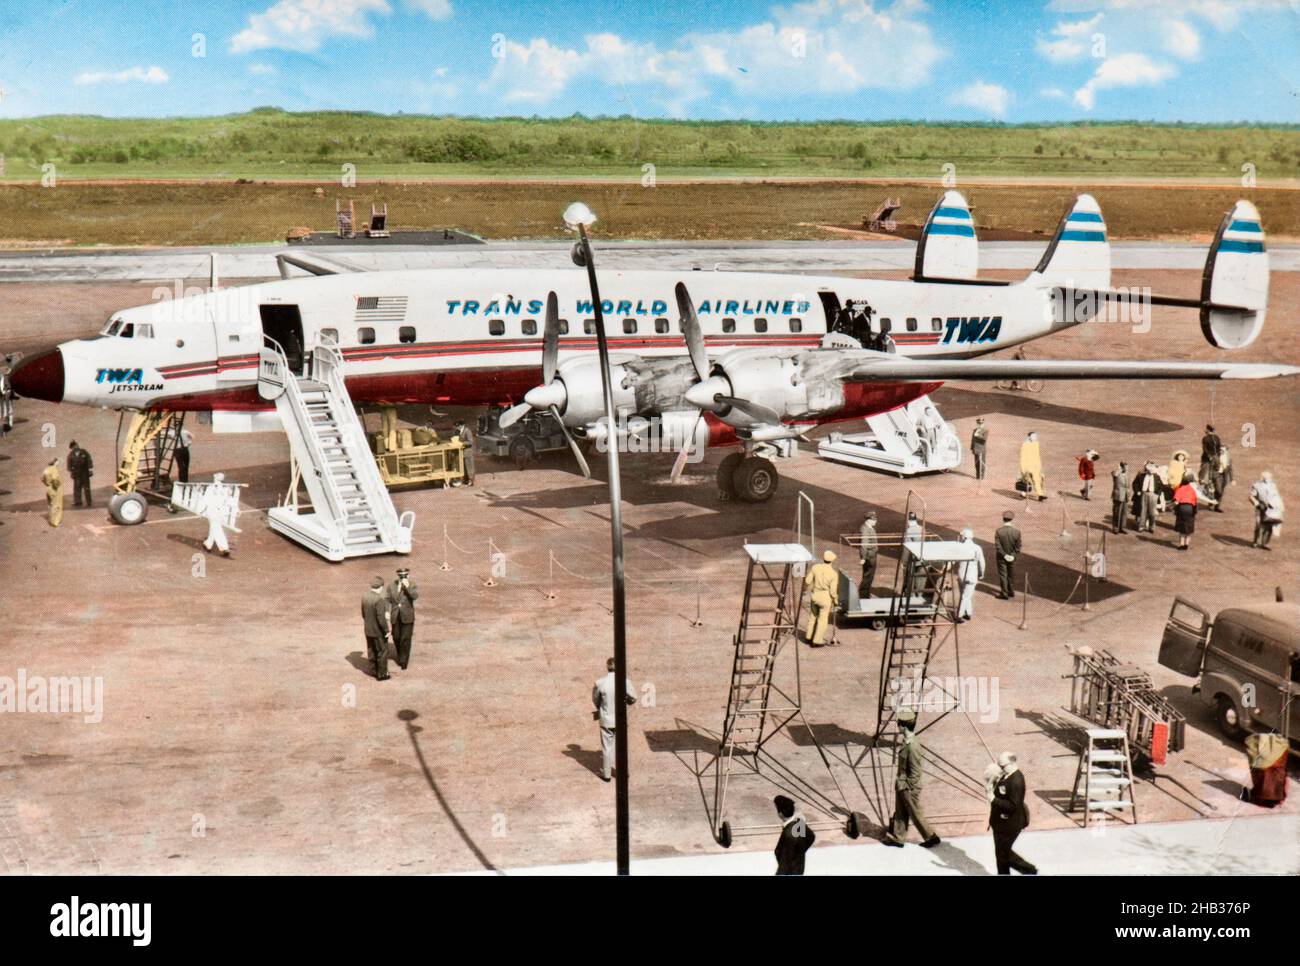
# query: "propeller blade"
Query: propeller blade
513,415
551,338
691,332
679,464
573,444
755,411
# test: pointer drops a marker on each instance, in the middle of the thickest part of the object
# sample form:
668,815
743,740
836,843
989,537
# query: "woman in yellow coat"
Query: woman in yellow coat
53,493
1031,466
1177,469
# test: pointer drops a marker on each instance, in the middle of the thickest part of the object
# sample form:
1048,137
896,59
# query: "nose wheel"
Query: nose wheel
750,479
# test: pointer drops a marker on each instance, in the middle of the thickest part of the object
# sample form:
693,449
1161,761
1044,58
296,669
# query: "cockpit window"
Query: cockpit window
144,330
127,331
112,327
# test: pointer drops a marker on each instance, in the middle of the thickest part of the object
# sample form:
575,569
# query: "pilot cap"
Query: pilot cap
403,571
907,717
829,556
1008,516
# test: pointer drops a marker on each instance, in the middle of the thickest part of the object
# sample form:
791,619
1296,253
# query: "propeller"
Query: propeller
551,394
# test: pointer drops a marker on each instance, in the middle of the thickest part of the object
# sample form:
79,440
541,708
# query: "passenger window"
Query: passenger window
629,326
529,326
496,327
327,336
796,325
936,325
911,325
760,325
886,324
564,326
366,335
589,326
728,325
661,326
406,334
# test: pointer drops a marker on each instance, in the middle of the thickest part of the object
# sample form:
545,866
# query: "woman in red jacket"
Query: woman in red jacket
1088,471
1185,500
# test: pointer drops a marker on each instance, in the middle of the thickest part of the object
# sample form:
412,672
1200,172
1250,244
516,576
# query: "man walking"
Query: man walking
1118,497
467,453
969,574
1147,490
907,786
979,442
402,595
1008,816
80,469
53,493
823,581
374,614
1006,542
868,548
603,696
796,838
214,509
1210,446
1269,509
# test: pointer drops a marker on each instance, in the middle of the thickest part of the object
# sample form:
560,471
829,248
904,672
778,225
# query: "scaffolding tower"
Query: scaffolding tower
758,708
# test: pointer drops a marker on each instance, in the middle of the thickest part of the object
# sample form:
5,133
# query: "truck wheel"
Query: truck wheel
1229,717
877,624
128,509
755,479
726,474
522,452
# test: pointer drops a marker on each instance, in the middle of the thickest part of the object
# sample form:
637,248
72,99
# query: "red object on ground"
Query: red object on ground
1159,743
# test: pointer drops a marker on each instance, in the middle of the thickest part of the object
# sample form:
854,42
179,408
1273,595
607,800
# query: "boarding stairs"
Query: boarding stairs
1103,782
908,440
352,514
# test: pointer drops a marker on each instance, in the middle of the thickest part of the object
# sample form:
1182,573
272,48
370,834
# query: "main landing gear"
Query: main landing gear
749,476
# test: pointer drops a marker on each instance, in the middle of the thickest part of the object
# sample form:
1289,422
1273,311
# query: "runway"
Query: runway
241,263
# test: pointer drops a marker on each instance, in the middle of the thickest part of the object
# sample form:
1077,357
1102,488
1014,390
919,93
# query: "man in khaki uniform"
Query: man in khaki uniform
907,786
823,581
53,493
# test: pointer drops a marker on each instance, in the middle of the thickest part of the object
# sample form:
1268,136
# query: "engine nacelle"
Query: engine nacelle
585,394
781,383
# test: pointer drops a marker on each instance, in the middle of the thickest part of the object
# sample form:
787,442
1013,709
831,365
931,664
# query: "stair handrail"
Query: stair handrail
327,367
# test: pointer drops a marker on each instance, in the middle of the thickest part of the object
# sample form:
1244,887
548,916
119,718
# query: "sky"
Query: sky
1015,61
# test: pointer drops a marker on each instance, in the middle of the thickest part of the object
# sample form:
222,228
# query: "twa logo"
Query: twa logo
123,376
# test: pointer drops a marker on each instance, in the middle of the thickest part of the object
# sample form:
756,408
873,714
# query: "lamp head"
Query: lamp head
579,214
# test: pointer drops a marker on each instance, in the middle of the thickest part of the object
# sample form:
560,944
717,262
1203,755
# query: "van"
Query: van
1247,660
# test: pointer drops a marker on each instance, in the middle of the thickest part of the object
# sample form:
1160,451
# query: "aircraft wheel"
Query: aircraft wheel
727,472
755,479
522,451
724,835
128,509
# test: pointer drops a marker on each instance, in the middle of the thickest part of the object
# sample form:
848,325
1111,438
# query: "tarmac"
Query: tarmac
242,731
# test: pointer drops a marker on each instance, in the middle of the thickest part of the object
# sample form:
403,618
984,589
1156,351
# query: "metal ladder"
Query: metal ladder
352,513
758,708
1105,773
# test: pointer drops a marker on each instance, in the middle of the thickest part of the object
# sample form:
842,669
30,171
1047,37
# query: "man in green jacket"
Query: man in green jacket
907,786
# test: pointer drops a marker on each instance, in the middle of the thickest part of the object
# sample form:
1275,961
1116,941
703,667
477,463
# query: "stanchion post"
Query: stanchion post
446,564
699,621
550,584
1024,605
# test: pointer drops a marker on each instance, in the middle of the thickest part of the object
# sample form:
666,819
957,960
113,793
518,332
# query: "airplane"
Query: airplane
754,359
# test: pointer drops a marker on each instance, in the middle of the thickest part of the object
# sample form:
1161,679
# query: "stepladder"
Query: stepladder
1103,782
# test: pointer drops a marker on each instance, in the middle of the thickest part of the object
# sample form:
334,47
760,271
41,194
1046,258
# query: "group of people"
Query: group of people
389,611
1004,787
854,320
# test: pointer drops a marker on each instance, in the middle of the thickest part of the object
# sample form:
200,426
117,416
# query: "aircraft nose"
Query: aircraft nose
40,377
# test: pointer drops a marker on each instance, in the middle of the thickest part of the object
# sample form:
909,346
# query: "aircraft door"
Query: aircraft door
283,323
831,305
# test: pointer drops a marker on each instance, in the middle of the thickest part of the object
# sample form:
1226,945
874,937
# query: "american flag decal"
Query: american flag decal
381,308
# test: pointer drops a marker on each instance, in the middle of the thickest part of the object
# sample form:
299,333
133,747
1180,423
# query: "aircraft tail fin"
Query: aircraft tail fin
1234,286
948,248
1079,254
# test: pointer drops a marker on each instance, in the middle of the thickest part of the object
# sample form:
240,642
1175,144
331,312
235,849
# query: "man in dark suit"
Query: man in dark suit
1007,543
796,838
81,468
909,770
374,612
402,595
1008,816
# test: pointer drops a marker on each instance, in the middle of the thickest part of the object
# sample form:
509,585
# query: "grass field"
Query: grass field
269,143
191,213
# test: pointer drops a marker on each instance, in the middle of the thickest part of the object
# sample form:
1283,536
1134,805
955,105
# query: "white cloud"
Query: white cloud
812,48
433,9
1223,14
1182,40
990,99
1053,94
144,75
302,25
1071,40
261,70
1122,70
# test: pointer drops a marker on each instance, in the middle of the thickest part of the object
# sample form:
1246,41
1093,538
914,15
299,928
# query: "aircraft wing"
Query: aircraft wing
886,369
315,264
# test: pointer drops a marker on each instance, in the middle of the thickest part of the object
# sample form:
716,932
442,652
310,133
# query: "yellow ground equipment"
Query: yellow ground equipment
419,457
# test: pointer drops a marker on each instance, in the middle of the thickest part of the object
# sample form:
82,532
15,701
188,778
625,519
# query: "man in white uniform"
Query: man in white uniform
214,511
969,573
603,697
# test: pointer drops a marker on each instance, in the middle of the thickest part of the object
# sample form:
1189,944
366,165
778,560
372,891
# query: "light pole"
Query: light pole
579,216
